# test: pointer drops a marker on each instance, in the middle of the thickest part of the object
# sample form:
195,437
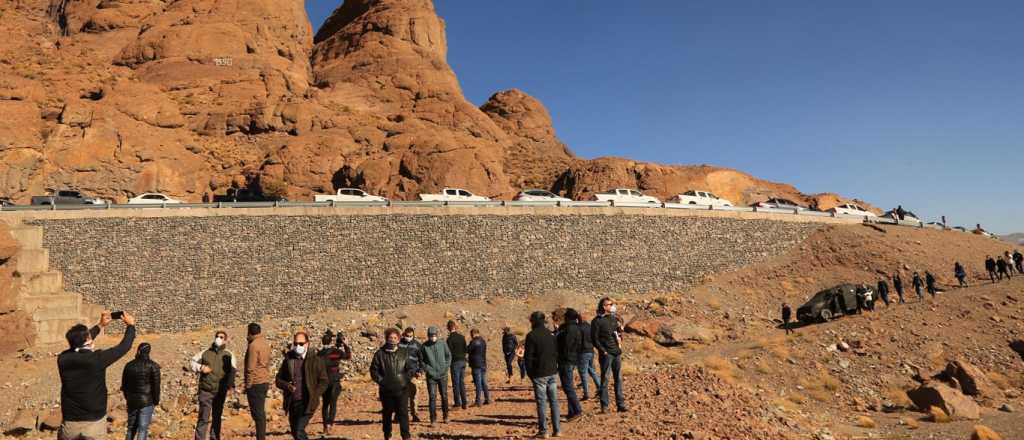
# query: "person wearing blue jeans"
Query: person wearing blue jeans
138,423
478,365
140,383
540,355
605,334
435,359
569,340
458,347
586,359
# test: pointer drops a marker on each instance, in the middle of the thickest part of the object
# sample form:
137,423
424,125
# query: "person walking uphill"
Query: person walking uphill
960,274
509,344
883,290
334,350
216,367
787,315
457,344
410,343
1001,268
897,283
541,358
605,333
1018,259
256,377
478,366
569,339
929,282
586,364
990,267
83,379
302,379
435,360
918,284
140,383
392,369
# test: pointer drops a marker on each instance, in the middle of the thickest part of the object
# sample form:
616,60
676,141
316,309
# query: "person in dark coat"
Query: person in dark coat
333,351
605,332
1001,266
457,345
409,342
918,284
302,379
509,344
883,290
929,282
392,368
477,351
569,339
1018,259
897,283
787,314
586,367
140,383
960,274
83,379
990,266
435,360
540,354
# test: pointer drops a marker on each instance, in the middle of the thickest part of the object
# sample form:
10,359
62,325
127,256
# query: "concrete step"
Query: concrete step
32,260
64,305
51,331
42,283
29,237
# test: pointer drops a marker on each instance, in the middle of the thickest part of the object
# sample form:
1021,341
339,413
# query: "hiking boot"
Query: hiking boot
622,409
557,434
542,434
573,417
604,410
487,402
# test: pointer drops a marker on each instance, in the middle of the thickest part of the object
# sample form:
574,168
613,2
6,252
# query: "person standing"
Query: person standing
413,346
1018,259
334,350
897,283
569,339
1009,262
391,369
436,360
929,282
216,367
990,266
478,366
787,314
509,343
302,379
960,273
918,284
140,383
1001,267
883,290
83,378
586,367
256,377
457,344
605,333
540,355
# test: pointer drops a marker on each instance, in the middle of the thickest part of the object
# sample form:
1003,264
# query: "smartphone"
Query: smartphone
117,315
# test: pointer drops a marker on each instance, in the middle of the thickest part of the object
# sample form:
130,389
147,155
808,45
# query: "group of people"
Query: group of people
1003,266
308,380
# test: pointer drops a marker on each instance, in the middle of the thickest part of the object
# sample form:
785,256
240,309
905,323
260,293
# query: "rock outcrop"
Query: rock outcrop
950,400
119,97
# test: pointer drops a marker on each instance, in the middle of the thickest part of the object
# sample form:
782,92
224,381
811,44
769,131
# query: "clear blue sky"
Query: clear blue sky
919,102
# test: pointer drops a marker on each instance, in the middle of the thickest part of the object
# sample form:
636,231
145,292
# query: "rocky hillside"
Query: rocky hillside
118,97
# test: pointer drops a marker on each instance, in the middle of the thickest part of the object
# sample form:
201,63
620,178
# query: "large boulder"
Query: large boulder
672,332
972,381
949,399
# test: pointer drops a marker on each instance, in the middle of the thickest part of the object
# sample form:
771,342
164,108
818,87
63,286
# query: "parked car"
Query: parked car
538,195
453,195
625,195
907,215
67,197
830,303
152,199
246,195
852,209
699,198
4,201
960,228
348,195
777,203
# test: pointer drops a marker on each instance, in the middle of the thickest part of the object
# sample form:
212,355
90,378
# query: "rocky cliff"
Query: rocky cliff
118,97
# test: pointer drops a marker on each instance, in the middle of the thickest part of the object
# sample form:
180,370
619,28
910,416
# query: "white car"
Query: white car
538,195
348,195
777,203
453,195
152,199
625,195
852,209
699,198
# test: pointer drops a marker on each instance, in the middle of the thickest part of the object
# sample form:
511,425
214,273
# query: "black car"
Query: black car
830,303
246,195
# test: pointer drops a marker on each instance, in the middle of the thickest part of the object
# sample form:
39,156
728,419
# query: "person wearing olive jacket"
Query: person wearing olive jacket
140,383
435,359
605,333
302,379
392,369
216,367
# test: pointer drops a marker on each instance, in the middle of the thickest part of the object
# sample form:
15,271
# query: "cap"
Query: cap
432,331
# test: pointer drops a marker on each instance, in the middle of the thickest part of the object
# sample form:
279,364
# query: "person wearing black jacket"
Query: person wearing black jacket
140,383
457,345
569,340
990,266
540,354
478,366
410,343
1018,259
918,283
509,344
960,274
83,379
332,357
1001,268
883,290
302,379
392,369
605,333
929,282
787,314
897,283
586,361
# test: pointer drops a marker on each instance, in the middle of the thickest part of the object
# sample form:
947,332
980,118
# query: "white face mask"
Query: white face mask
433,339
300,350
218,341
614,308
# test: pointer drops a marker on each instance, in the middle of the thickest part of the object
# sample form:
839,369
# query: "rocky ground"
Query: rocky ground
698,364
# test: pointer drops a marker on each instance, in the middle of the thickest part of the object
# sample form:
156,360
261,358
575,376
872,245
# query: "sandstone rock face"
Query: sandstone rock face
119,97
942,396
13,322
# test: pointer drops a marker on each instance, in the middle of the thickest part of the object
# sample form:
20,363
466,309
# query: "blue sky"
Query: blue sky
912,102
